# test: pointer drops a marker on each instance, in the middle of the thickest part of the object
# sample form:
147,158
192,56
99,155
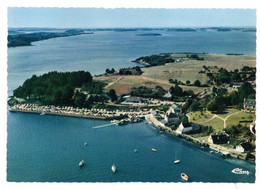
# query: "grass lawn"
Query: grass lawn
228,112
216,123
241,116
206,118
197,117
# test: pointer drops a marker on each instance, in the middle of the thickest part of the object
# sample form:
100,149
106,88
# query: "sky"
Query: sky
112,18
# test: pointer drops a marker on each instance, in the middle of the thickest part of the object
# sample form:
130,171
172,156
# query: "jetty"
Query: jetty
106,125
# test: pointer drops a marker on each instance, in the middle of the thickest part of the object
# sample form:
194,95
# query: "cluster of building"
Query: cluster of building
173,117
79,112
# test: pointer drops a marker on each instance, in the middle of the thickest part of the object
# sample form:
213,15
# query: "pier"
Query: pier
106,125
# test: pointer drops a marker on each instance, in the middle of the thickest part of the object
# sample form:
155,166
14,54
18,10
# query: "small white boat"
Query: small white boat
184,176
153,149
113,168
211,151
177,161
135,150
85,144
81,163
42,113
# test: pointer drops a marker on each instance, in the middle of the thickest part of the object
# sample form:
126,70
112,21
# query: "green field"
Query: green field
241,116
231,116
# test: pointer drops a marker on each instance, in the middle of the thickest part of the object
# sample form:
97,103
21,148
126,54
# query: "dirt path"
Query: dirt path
112,83
228,117
224,119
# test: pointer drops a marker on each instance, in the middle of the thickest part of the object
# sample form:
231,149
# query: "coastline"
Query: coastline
79,113
226,152
68,115
122,116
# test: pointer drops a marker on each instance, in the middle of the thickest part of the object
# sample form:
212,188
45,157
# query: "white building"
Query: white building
184,128
243,147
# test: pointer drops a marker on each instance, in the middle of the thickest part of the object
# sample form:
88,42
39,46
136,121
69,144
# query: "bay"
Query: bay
110,49
49,148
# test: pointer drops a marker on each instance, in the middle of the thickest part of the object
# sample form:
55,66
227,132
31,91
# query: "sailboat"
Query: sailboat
113,168
176,160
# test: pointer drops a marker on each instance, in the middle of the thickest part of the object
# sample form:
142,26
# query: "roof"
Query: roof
174,106
133,99
219,139
246,146
172,115
185,125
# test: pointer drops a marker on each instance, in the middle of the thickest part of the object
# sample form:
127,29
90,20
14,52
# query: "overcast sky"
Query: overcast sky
110,18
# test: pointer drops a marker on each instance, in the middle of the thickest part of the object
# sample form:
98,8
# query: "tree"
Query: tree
188,82
79,100
197,83
234,98
178,90
184,119
245,90
235,77
217,104
195,106
223,76
112,95
171,80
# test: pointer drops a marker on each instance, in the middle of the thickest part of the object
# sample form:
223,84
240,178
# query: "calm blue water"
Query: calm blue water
111,49
49,148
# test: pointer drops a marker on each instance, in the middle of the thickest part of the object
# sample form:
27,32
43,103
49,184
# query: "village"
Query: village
173,121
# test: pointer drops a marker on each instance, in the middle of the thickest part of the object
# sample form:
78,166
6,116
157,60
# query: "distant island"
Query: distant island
25,39
182,29
149,34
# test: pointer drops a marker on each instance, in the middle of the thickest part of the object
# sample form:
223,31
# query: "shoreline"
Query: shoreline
68,115
101,114
226,152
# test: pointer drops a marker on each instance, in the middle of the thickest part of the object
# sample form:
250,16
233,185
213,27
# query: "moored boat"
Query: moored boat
177,161
85,144
184,176
153,149
81,163
135,150
113,168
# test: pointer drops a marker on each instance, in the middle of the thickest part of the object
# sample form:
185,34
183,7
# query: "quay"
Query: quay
128,116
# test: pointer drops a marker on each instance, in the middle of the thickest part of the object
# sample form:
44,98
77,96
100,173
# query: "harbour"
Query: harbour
64,141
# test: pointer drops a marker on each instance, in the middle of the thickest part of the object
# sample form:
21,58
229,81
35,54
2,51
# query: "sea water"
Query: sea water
49,148
109,49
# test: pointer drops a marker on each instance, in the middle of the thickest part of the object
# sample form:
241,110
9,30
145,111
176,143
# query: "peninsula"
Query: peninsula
25,39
